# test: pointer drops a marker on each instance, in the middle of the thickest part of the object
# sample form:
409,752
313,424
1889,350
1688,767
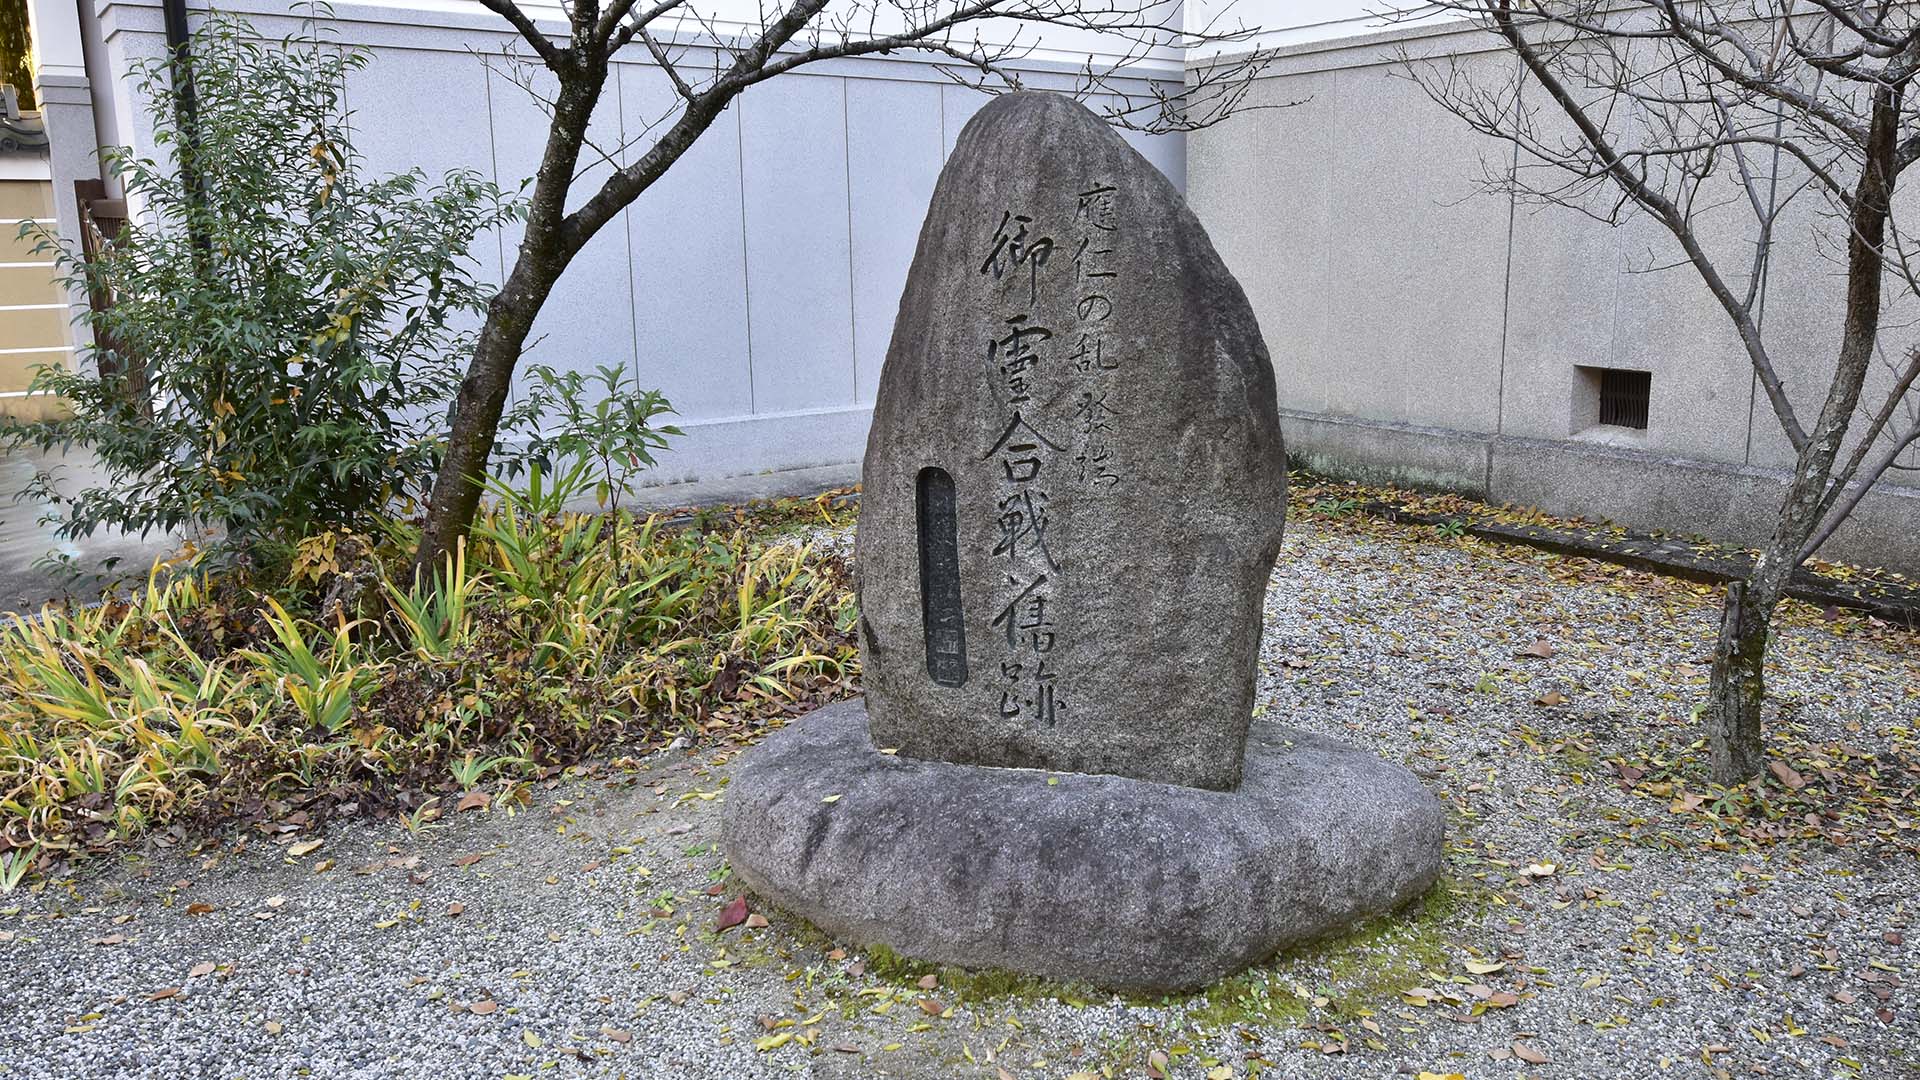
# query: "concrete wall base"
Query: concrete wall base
752,445
1725,503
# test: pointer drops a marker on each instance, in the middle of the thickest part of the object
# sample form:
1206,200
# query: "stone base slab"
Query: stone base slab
1127,884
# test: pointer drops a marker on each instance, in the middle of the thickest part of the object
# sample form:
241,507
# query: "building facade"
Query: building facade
1428,332
1423,331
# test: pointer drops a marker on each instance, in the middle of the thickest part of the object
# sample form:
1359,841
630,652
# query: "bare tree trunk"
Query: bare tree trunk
1737,689
544,253
477,409
1735,739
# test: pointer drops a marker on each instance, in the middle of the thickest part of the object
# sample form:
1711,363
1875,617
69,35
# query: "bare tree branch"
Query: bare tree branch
617,30
1850,494
1838,501
661,58
510,11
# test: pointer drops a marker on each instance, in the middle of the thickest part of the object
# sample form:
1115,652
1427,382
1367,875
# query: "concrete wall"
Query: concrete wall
755,285
1427,332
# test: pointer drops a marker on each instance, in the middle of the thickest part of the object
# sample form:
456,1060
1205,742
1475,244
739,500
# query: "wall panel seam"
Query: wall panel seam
853,284
746,256
1506,317
493,163
626,224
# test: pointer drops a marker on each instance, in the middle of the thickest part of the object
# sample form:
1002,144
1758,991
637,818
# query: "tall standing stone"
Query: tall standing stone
1074,496
1074,485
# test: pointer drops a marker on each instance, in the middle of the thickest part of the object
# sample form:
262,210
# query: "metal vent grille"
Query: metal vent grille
1625,397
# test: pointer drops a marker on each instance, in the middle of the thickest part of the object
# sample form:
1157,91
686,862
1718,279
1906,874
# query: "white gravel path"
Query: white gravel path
1633,958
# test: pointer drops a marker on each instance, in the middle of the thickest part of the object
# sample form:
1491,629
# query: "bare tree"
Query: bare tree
1796,116
709,66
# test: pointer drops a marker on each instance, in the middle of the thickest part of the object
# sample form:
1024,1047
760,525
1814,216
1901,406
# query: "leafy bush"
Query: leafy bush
609,430
283,340
197,697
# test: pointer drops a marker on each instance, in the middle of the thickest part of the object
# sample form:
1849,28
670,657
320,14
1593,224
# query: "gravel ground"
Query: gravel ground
1584,930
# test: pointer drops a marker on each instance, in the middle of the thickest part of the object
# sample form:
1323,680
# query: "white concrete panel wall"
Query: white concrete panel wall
755,284
1281,23
687,264
799,243
1036,41
894,153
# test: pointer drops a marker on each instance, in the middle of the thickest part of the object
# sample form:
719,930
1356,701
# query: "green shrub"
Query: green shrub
610,430
283,340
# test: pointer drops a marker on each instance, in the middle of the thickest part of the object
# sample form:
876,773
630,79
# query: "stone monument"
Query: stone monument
1074,491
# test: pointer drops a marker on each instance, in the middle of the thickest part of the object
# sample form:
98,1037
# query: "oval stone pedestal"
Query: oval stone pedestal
1127,884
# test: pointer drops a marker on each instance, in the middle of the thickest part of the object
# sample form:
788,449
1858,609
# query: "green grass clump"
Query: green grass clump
548,634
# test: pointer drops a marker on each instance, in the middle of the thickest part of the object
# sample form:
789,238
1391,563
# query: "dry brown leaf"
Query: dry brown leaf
305,847
202,969
164,993
473,800
483,1006
1786,775
1531,1055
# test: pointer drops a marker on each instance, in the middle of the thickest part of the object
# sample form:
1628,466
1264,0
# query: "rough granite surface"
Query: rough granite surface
1079,585
1127,884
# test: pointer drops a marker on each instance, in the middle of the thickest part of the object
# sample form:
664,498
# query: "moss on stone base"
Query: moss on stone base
1346,975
